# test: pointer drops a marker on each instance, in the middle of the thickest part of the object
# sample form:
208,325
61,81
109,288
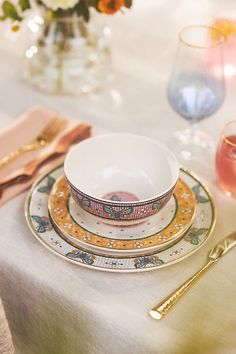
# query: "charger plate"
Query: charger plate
89,231
37,215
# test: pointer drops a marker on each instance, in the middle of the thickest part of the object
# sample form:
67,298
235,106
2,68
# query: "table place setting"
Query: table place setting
110,208
122,216
107,225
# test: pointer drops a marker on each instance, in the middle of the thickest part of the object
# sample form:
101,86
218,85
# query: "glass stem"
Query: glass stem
193,127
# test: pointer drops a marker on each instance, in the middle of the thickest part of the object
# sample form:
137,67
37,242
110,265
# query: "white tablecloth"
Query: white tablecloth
55,307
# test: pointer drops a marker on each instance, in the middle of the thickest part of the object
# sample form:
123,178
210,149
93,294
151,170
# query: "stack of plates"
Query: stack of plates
178,230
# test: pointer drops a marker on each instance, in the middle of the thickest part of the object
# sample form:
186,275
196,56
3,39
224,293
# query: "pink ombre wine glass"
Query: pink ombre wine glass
226,159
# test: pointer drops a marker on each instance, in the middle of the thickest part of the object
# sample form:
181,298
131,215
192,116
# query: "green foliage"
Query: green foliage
92,3
128,3
24,4
82,9
10,11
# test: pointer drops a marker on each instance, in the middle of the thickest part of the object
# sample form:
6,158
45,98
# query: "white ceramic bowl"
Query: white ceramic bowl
122,178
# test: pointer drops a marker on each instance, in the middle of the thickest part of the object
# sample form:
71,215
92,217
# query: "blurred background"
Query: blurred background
144,41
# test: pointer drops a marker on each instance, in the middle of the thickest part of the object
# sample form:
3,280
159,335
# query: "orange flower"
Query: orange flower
15,27
109,7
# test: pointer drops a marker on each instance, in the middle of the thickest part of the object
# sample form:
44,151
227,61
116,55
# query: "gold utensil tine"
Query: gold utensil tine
215,254
45,137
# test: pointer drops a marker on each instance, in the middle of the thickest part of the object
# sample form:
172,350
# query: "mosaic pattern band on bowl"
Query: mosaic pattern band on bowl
120,211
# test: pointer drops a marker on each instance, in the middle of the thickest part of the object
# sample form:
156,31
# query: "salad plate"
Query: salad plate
155,233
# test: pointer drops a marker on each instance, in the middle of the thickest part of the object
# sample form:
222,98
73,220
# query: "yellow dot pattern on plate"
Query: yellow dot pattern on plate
58,201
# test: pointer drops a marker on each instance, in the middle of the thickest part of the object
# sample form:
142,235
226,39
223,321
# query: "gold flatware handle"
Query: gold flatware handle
215,254
165,305
51,130
21,150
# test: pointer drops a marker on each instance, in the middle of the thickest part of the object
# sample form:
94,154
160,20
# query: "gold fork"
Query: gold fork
45,137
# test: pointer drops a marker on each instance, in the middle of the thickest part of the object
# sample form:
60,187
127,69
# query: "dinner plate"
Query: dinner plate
86,230
37,215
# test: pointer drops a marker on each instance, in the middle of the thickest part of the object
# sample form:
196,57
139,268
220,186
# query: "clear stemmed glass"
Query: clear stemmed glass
196,87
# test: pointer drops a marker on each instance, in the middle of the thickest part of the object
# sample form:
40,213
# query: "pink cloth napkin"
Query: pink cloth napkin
27,127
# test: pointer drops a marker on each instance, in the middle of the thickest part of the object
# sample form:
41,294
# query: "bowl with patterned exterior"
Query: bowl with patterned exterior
121,178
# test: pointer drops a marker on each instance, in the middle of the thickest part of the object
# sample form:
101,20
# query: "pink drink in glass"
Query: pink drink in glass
226,160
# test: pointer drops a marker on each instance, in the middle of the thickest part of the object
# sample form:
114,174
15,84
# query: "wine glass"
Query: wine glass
196,87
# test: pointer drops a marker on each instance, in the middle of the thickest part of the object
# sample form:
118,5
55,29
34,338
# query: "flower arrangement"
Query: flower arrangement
69,53
60,8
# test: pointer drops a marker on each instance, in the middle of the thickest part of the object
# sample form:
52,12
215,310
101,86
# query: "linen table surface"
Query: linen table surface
54,307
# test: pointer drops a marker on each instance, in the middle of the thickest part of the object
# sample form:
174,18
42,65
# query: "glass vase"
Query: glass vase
69,56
